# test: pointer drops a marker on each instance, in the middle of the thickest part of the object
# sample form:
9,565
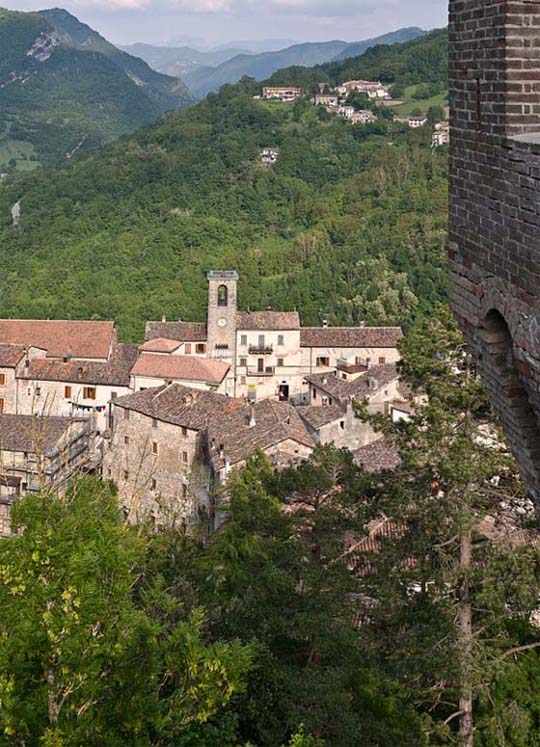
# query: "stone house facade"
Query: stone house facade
495,208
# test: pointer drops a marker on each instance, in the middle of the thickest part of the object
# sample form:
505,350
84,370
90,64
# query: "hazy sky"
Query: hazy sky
220,21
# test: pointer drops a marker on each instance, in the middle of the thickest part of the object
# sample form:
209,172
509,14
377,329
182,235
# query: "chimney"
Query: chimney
325,323
252,420
373,384
164,318
221,451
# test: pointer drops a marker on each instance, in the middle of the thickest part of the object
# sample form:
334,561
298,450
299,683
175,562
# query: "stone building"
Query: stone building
495,207
39,454
13,359
155,369
269,352
282,93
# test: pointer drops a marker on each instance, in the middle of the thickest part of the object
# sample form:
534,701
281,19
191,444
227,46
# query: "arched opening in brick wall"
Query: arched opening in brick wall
509,394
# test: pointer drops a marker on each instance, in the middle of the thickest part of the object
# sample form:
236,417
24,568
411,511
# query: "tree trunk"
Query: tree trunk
465,637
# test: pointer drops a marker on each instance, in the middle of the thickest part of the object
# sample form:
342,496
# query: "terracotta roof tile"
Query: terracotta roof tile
114,372
378,456
350,337
179,405
268,320
275,422
184,367
11,355
180,331
373,380
159,345
31,433
61,338
316,417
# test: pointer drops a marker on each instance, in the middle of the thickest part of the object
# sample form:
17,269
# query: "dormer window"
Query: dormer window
223,296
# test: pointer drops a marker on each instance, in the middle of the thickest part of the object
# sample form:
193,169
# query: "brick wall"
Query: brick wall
495,207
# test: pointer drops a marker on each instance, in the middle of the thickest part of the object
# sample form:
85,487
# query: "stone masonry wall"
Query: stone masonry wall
495,207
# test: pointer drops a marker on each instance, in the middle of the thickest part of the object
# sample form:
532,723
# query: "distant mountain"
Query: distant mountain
179,61
57,100
394,37
169,93
262,66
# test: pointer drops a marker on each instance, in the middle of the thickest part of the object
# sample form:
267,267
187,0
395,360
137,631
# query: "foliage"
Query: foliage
82,660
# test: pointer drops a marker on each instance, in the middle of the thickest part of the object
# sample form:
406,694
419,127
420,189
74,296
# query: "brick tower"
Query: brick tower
495,207
222,315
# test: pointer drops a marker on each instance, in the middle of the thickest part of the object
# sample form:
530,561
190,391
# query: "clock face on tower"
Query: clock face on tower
222,322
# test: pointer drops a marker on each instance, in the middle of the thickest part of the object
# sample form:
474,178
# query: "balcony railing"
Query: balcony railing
267,371
261,349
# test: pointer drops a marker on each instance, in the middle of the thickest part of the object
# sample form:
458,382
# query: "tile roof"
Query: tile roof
373,380
61,338
316,417
180,331
275,422
378,456
268,320
160,345
350,337
183,367
11,355
31,433
114,372
179,405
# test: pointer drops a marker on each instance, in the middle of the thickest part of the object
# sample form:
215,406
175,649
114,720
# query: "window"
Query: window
314,393
185,457
126,414
382,360
342,425
184,491
114,395
89,392
242,379
260,365
261,341
325,400
323,362
281,340
184,432
2,379
222,296
126,440
154,484
126,475
1,404
154,423
38,391
67,392
280,362
243,362
188,347
243,340
200,348
154,447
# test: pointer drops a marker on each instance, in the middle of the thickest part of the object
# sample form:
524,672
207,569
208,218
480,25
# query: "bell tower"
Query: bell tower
222,285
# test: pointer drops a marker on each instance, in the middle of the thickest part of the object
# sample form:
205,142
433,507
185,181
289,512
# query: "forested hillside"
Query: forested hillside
350,225
57,99
422,60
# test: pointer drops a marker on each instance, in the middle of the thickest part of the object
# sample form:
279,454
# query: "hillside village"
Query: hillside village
337,101
169,419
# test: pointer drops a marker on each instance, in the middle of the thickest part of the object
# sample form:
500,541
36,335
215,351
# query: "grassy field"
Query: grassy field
422,104
18,150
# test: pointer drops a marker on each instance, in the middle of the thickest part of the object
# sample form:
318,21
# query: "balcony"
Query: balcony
267,371
261,349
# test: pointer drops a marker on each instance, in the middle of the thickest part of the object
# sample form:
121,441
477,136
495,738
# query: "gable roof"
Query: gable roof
180,331
381,455
73,339
160,345
350,337
373,380
183,367
179,405
317,417
11,355
268,320
275,422
114,372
